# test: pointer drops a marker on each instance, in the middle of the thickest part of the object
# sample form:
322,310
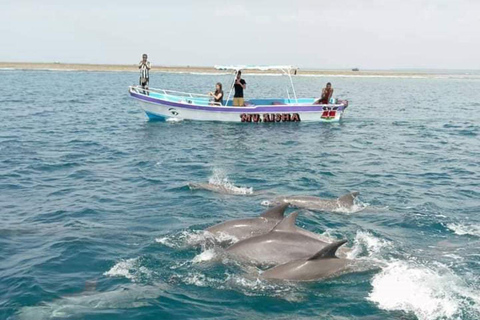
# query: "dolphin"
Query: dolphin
282,244
317,204
221,188
92,302
246,228
241,229
323,264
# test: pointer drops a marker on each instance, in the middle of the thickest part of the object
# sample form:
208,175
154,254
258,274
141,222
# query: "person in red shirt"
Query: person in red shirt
327,94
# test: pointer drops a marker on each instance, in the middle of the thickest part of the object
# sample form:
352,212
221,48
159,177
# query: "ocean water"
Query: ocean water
97,221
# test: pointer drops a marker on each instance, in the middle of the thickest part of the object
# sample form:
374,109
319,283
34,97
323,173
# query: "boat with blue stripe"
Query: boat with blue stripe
166,105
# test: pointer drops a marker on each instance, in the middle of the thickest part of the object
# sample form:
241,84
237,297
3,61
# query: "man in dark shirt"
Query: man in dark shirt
240,85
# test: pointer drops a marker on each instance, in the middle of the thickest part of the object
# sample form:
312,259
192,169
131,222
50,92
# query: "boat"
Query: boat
169,105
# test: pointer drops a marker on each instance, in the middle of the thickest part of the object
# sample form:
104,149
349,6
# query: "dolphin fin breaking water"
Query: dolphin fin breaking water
329,251
323,264
348,200
287,224
241,229
285,242
276,212
345,202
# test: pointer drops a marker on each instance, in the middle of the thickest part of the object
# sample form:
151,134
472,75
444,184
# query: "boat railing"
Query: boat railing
173,95
169,92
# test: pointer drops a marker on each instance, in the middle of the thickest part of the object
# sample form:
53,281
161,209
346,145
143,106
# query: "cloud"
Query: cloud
231,10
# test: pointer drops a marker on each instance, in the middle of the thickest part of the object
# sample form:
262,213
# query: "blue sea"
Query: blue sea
97,220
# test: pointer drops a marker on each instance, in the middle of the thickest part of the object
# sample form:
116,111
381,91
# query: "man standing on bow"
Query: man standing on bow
144,67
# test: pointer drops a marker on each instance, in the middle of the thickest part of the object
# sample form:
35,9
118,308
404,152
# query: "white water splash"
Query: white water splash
223,237
174,120
250,286
429,293
366,244
254,286
358,206
266,203
220,178
129,268
205,256
195,238
200,280
185,239
463,229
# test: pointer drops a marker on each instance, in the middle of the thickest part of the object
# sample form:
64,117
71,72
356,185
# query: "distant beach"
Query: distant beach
210,70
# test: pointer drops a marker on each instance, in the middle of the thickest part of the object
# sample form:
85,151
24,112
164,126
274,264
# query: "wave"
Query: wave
249,286
184,239
358,206
428,292
86,304
207,255
366,245
412,286
204,239
463,229
130,269
174,120
219,182
219,177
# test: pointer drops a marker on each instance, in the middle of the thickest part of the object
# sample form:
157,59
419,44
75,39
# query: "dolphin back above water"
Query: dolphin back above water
322,264
241,229
246,228
347,201
221,188
282,244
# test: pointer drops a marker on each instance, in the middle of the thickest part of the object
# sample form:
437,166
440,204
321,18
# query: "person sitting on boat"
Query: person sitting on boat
240,85
327,94
144,67
217,95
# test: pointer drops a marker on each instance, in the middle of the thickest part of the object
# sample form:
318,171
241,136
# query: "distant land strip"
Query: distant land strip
195,69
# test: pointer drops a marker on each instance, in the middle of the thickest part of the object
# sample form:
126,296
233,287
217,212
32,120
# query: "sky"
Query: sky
335,34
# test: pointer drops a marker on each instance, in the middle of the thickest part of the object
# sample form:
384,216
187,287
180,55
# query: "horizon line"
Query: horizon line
186,66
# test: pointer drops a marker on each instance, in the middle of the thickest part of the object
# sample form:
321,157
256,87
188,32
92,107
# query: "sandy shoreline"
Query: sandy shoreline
193,69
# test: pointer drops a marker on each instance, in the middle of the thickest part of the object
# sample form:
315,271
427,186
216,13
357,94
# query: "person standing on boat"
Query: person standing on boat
217,95
327,94
144,67
240,85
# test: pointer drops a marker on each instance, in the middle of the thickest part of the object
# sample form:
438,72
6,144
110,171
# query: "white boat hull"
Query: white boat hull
161,109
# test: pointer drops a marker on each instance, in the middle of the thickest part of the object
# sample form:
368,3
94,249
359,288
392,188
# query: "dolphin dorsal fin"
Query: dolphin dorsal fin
328,251
287,224
347,199
276,212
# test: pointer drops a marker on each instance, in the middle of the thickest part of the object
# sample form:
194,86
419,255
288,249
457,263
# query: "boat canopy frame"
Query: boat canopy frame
286,70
